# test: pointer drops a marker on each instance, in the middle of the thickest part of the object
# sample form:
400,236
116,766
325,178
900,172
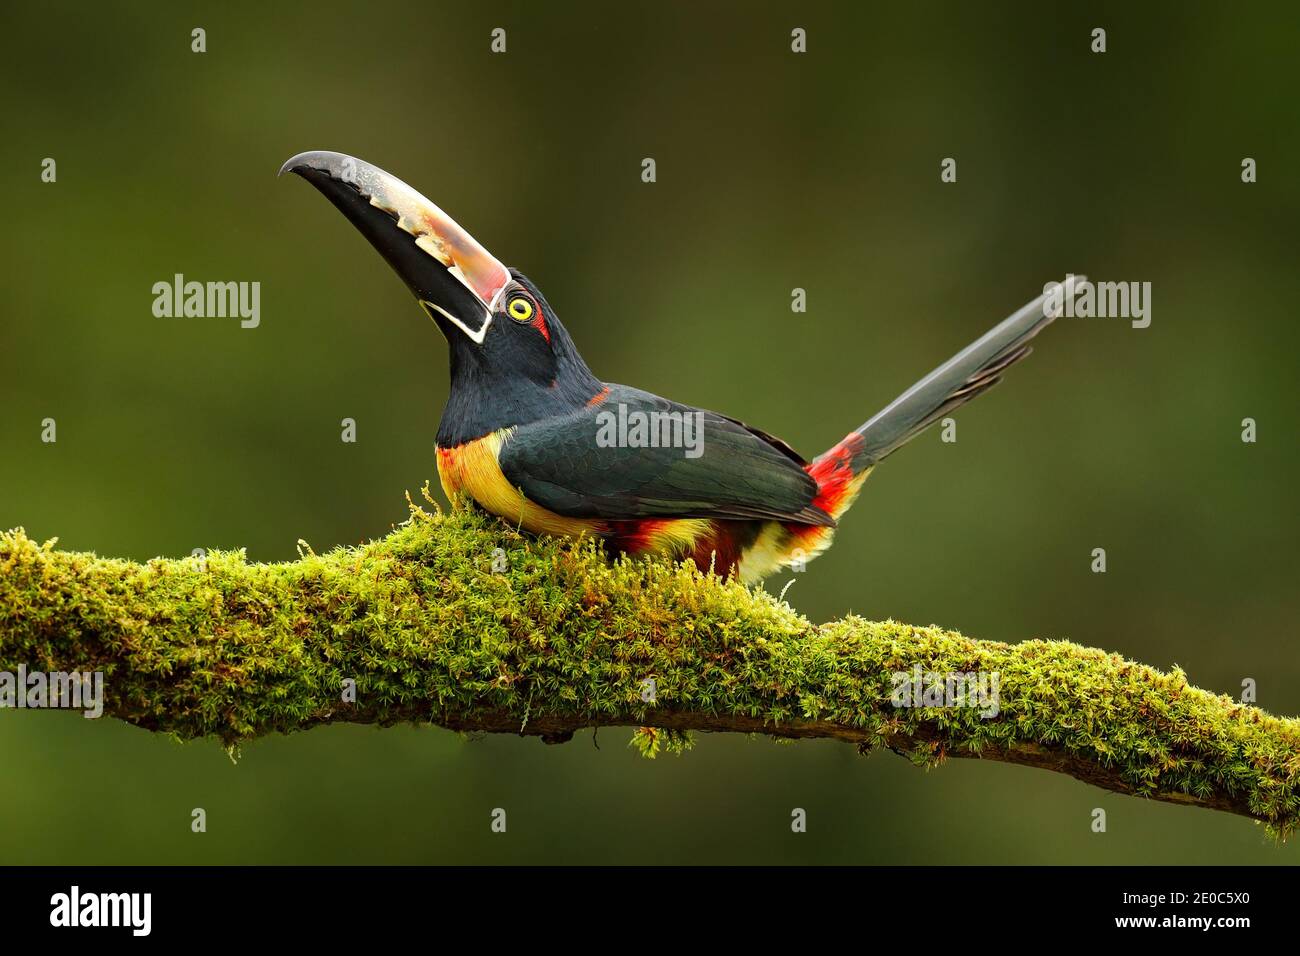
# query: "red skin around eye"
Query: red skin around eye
539,323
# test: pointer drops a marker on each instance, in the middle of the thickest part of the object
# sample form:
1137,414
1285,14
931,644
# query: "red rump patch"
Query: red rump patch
833,471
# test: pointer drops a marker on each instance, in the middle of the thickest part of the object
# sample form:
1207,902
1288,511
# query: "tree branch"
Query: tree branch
562,639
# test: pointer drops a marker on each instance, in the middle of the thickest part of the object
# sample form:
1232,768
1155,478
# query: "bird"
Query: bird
530,434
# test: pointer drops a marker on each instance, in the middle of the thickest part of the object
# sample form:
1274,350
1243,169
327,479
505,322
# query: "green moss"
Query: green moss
564,639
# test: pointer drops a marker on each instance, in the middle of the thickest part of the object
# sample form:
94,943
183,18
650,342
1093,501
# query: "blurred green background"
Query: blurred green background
775,170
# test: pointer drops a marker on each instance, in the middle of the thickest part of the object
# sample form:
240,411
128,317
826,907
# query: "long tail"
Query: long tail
971,372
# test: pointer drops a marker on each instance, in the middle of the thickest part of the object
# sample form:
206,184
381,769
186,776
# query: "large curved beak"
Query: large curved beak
451,275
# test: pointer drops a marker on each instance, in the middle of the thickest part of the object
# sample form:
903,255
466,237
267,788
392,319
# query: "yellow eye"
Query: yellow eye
520,309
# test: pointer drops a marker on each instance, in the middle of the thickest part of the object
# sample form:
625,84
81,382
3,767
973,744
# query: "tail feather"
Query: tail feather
971,372
841,471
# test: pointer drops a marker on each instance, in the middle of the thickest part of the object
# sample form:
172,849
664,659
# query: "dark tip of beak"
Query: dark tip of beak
311,159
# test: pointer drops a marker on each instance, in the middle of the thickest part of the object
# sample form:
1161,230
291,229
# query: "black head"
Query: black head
512,362
525,369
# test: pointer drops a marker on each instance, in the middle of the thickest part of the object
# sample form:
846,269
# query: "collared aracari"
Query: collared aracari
520,434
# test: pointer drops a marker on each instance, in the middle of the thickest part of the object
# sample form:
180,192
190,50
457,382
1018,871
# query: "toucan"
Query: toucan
525,432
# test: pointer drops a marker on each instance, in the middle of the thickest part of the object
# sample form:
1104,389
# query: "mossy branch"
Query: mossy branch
563,639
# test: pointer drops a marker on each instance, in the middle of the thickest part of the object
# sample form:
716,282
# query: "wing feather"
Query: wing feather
739,473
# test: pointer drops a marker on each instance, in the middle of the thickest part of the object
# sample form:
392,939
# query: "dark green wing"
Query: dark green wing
584,465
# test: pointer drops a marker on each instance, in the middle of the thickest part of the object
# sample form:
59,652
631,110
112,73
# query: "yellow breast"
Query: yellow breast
474,469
